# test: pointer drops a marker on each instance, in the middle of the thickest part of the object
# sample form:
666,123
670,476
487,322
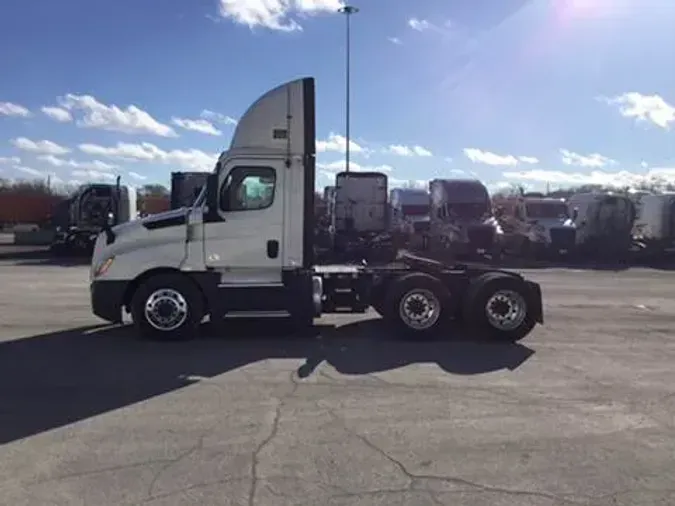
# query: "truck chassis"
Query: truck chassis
415,296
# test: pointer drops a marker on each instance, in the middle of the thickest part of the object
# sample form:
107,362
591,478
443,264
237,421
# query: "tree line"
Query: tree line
66,190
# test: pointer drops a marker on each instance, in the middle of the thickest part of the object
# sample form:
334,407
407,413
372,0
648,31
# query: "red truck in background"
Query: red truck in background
27,207
153,204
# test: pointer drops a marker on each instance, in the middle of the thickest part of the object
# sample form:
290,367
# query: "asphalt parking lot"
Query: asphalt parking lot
580,412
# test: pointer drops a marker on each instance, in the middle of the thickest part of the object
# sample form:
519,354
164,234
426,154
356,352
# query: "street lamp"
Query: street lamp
347,10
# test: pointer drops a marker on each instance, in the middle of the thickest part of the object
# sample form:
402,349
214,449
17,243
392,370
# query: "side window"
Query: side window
248,189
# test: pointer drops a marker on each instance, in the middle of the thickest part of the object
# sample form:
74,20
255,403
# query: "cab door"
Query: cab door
244,243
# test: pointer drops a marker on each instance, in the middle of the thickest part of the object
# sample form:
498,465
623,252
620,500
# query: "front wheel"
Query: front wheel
498,306
167,307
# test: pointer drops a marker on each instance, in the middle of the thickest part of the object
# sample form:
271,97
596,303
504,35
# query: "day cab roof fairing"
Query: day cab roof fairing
282,122
458,191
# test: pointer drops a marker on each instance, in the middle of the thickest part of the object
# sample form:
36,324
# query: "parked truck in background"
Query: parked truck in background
90,210
604,224
409,219
359,214
246,248
185,188
535,226
21,207
461,222
654,226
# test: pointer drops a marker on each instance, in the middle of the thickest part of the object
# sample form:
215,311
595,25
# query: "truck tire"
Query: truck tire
496,307
416,305
167,307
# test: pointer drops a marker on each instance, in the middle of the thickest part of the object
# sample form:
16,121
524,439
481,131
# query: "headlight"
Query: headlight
103,267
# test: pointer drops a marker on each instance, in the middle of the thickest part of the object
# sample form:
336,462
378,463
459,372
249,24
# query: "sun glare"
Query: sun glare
584,8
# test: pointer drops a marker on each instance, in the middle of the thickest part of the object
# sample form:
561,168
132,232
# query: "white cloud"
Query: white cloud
421,184
197,125
137,176
500,186
651,108
10,159
618,179
42,147
58,114
400,150
96,165
395,40
339,165
191,159
338,143
488,158
457,172
528,159
15,110
217,117
93,174
419,24
130,120
594,160
29,171
274,14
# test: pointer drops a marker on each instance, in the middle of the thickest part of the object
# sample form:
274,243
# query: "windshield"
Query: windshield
467,211
542,210
415,210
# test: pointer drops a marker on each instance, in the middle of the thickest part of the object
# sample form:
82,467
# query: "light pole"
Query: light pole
347,10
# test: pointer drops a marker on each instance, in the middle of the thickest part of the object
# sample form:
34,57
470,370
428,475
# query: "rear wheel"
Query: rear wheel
497,306
417,305
167,307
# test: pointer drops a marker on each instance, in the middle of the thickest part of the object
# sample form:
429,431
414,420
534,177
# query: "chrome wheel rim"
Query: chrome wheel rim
506,310
419,309
166,309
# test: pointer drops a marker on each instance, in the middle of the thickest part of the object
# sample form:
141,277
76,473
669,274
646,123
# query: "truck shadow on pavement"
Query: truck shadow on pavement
51,380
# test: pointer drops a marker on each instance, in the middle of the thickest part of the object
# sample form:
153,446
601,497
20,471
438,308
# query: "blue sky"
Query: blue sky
511,91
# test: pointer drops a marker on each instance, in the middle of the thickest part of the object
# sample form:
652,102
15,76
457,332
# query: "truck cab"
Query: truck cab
535,225
246,248
89,210
461,218
604,223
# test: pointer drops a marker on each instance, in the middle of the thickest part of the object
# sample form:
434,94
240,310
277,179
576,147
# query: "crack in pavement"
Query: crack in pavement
190,451
414,478
171,463
255,461
92,472
191,487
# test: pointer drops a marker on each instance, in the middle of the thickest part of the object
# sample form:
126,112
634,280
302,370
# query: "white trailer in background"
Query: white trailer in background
246,248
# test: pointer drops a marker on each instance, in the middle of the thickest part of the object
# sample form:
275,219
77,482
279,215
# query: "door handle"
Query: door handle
272,248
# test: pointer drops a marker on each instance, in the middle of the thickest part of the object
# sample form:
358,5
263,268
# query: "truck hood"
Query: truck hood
166,216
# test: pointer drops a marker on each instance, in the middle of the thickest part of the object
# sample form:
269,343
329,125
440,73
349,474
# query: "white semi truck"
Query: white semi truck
246,248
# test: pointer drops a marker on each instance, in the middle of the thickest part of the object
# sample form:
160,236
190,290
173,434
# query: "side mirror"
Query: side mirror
211,201
575,214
